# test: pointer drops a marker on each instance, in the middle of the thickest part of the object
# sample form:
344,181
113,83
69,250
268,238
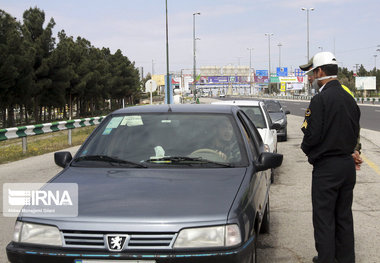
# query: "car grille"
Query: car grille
97,240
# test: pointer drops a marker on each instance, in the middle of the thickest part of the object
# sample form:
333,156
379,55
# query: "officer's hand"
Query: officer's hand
358,160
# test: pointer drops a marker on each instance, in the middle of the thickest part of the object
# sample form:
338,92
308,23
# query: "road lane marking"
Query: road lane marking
371,164
377,110
303,108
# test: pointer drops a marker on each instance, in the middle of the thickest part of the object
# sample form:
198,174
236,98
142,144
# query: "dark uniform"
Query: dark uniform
331,130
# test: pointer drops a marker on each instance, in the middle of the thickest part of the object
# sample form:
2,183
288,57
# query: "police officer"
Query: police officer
331,129
356,155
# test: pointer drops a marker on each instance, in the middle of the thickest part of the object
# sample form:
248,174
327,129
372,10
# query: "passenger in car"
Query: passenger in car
225,143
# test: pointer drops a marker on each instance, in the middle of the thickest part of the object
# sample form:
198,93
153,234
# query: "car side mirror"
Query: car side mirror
62,159
276,126
287,112
268,160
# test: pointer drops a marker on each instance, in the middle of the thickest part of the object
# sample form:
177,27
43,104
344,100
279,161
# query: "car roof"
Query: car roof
275,101
179,108
238,102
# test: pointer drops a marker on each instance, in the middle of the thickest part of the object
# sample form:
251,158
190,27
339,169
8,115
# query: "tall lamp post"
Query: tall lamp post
269,35
167,56
250,67
194,57
308,40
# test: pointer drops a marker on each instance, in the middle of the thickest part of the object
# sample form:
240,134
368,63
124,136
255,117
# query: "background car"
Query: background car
159,184
278,115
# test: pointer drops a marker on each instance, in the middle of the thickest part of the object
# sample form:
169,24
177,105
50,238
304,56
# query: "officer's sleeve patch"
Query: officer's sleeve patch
307,112
304,125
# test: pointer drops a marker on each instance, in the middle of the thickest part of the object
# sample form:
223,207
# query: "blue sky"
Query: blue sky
226,28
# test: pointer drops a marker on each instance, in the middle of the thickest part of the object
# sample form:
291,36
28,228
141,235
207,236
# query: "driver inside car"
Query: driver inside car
224,142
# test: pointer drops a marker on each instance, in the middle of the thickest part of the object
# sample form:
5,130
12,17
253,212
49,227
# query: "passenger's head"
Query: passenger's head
224,130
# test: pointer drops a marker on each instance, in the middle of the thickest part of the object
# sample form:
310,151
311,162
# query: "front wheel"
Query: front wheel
254,250
285,138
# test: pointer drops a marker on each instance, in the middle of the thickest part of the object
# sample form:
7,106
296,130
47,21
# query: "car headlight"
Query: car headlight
218,236
280,121
37,234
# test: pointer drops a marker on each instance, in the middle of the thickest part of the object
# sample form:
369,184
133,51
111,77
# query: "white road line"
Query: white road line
303,108
377,110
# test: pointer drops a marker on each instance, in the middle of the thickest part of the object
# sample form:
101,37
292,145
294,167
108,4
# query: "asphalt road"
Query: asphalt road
291,237
370,114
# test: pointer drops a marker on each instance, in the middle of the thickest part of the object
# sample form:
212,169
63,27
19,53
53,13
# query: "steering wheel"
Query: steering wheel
209,154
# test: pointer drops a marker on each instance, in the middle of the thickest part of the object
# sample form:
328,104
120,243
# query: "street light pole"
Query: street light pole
308,40
194,59
250,67
167,57
269,35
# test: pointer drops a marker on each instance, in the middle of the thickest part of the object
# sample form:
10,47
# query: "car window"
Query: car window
266,113
252,135
256,115
158,138
273,106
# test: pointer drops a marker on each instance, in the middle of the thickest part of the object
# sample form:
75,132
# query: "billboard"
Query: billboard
365,83
261,79
282,72
223,79
262,73
294,86
299,73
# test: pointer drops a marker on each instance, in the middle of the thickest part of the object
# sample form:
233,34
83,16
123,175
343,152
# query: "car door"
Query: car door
256,146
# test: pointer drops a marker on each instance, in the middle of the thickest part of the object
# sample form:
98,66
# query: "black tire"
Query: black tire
285,138
254,251
265,225
272,176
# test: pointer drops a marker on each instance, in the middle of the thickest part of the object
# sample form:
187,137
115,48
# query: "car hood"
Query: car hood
148,196
275,116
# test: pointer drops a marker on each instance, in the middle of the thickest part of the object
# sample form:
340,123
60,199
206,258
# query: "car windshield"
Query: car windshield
165,140
256,115
273,106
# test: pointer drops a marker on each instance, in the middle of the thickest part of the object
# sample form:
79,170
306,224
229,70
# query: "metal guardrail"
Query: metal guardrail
31,130
292,97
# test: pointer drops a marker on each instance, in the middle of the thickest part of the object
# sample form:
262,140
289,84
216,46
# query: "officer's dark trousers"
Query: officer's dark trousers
332,191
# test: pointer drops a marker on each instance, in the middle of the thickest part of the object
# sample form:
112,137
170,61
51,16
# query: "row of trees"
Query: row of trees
40,77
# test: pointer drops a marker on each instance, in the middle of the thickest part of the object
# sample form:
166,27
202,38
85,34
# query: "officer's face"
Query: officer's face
310,78
317,74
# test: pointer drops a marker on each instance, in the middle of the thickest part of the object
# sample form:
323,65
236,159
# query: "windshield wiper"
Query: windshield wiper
109,159
185,160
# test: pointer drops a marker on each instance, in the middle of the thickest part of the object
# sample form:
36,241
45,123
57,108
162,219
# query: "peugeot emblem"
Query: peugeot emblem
116,242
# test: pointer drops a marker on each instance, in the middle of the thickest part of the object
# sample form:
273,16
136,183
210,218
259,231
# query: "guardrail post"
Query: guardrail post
24,145
69,137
